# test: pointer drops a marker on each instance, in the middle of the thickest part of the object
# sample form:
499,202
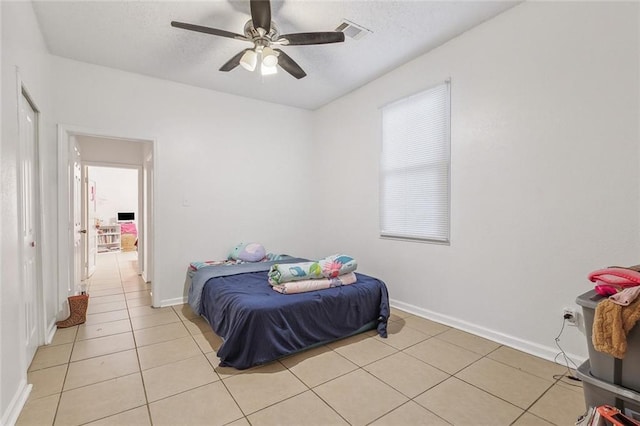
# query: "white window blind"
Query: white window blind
414,169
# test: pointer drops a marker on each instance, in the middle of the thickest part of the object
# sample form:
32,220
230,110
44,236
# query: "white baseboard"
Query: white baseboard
545,352
172,302
10,417
51,330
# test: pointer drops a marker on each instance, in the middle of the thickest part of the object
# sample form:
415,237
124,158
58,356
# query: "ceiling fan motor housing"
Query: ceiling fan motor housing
258,36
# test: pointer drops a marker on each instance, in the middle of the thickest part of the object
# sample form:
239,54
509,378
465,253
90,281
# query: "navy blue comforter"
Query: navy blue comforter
259,324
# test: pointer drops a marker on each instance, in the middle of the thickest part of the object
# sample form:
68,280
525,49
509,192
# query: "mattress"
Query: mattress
258,324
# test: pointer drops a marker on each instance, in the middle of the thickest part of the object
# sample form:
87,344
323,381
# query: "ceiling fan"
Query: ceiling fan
263,33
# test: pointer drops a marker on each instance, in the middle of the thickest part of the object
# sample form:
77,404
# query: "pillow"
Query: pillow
249,252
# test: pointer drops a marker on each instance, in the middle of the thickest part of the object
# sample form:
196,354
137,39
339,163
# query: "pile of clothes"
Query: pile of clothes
619,312
332,271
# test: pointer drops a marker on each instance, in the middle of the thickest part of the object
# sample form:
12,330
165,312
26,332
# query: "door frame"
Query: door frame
141,211
87,225
66,138
39,222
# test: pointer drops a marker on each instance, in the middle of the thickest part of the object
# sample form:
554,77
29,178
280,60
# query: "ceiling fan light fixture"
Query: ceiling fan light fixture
269,57
249,60
268,70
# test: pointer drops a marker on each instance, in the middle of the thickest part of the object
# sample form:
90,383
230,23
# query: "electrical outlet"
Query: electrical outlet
570,315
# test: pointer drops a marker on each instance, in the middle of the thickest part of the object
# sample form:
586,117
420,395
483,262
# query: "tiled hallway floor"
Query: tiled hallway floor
130,364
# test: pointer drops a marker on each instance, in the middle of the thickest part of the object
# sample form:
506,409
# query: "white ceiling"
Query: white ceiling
136,36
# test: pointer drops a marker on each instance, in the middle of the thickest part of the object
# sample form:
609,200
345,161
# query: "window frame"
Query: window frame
383,174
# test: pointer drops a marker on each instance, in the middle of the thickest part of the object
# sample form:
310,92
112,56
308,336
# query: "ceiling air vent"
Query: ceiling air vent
352,30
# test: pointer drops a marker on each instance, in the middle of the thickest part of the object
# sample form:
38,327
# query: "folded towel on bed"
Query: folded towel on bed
293,287
329,267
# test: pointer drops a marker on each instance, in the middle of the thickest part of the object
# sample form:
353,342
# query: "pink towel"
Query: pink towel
619,277
604,289
626,296
128,228
293,287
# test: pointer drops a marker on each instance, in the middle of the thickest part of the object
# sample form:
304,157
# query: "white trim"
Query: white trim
112,165
173,302
1,285
141,231
23,92
14,409
63,213
152,249
148,251
49,333
65,132
44,242
140,182
542,351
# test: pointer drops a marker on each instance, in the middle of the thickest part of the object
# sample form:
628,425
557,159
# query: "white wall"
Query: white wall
544,177
2,389
116,191
544,171
10,387
22,47
239,165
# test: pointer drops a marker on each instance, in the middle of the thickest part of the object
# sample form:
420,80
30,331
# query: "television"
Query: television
126,216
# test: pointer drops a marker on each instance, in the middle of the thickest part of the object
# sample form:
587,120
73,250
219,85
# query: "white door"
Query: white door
29,193
76,198
90,226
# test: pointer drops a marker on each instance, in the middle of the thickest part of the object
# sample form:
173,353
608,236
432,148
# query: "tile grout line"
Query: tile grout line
307,387
311,389
135,345
524,410
114,414
463,368
66,372
410,399
68,365
220,379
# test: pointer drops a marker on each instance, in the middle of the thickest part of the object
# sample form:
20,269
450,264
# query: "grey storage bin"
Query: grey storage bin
623,372
598,392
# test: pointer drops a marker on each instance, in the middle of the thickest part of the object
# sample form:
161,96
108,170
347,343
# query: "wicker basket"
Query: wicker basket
128,242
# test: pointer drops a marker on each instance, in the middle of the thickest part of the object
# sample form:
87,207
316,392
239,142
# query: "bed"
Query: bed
258,324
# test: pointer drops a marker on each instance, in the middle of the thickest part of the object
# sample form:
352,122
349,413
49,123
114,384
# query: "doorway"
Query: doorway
98,152
112,215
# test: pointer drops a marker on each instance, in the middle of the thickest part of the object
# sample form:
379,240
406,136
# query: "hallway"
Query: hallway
92,370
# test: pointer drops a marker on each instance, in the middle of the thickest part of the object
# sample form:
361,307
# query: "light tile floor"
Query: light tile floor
131,364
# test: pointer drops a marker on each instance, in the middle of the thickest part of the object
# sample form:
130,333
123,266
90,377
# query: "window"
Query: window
414,166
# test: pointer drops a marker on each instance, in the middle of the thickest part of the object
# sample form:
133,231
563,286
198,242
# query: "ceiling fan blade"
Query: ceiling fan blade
299,39
207,30
289,65
233,62
261,14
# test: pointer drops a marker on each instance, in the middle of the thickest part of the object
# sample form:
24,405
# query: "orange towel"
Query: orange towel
611,324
